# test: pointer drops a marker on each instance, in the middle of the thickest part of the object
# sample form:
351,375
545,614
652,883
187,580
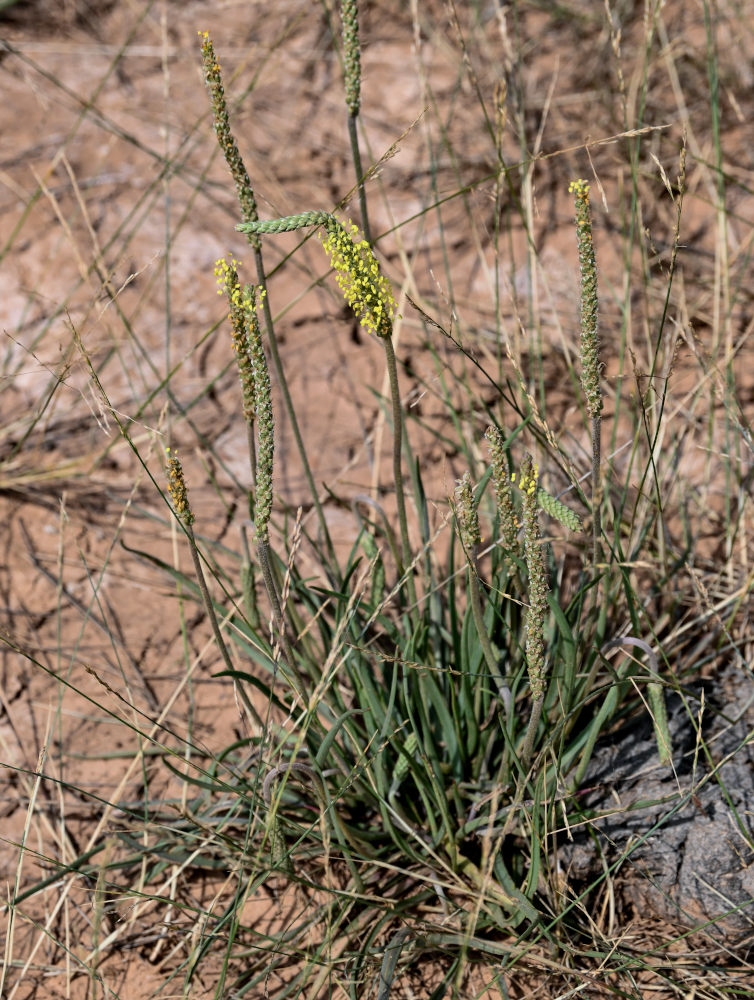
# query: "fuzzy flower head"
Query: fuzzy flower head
367,291
245,299
529,478
226,274
580,190
351,57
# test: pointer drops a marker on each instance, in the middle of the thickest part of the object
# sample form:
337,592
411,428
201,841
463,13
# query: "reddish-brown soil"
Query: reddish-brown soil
114,207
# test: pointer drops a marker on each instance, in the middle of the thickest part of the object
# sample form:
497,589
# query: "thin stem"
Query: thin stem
263,554
210,609
531,732
484,639
353,135
596,489
395,396
288,403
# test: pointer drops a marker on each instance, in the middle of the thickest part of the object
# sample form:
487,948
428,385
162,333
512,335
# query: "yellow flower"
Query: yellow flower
365,289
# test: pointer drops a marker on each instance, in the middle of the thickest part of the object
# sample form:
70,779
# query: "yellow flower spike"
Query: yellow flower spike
354,272
579,187
240,305
357,273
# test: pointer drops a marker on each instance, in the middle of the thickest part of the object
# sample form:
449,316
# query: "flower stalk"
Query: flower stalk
249,213
214,81
227,279
257,408
370,296
265,453
179,497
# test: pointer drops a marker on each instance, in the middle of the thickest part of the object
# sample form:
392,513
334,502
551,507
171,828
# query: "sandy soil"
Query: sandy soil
115,205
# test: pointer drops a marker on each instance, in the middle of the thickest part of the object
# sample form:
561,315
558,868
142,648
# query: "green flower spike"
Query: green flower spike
590,378
349,13
255,383
213,79
288,224
468,519
265,420
367,291
590,373
351,56
557,509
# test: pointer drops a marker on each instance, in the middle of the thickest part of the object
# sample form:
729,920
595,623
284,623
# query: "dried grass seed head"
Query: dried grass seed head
177,488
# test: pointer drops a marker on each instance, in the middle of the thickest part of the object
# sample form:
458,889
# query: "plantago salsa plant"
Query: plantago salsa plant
424,734
420,714
417,789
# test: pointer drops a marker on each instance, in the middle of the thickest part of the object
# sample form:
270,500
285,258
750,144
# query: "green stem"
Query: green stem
263,554
353,135
596,489
484,639
395,396
531,732
210,609
288,402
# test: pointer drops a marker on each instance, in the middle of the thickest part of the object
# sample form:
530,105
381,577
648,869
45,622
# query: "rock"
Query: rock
688,831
